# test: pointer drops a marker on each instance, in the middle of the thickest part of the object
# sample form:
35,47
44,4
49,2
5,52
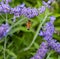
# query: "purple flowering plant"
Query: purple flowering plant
40,41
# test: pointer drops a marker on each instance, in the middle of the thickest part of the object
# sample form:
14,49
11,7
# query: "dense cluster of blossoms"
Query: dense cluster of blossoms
47,4
47,30
47,33
4,29
20,10
48,36
17,12
41,51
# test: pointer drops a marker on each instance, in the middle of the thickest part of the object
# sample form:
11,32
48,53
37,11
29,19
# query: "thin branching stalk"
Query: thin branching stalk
2,16
18,22
5,41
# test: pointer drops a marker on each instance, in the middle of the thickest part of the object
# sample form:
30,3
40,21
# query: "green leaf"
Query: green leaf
36,45
58,56
11,53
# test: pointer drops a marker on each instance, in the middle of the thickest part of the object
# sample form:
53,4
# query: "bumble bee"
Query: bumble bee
28,24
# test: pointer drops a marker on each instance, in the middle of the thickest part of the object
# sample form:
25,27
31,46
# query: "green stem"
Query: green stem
37,32
6,18
18,22
50,53
5,42
2,16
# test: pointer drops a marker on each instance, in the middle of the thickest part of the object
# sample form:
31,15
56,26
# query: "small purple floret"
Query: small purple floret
4,29
41,52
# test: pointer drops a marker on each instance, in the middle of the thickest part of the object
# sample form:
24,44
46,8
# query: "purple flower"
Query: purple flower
1,8
46,4
54,45
7,1
47,34
41,33
52,19
4,29
5,8
34,12
50,1
29,12
41,52
47,31
42,9
24,11
17,11
22,5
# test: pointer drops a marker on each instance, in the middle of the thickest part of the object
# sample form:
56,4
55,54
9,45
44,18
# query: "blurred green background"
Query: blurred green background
21,38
